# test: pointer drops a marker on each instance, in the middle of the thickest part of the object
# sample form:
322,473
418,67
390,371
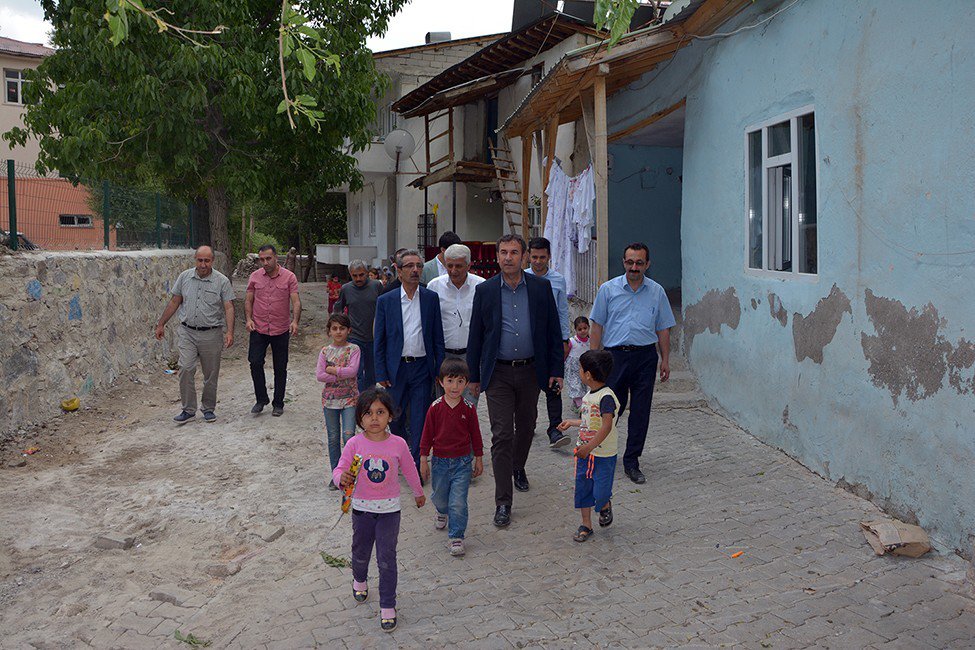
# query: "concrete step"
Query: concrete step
681,381
687,399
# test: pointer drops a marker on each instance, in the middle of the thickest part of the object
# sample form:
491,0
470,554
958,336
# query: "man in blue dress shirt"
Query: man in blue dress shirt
631,318
539,254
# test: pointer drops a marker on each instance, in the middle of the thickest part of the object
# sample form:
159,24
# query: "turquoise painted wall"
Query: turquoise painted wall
864,374
644,205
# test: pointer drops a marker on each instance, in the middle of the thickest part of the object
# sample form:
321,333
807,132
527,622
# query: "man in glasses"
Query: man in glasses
456,293
203,299
409,347
631,318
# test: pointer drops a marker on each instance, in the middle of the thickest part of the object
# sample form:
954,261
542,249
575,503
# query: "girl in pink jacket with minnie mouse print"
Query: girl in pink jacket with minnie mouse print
375,499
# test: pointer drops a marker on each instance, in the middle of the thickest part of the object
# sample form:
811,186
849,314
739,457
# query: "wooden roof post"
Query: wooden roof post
551,133
601,173
526,170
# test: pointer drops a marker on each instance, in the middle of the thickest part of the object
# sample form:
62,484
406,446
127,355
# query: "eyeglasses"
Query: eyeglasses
411,266
636,263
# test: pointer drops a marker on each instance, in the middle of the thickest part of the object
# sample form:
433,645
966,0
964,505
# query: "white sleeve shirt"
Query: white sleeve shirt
412,325
456,306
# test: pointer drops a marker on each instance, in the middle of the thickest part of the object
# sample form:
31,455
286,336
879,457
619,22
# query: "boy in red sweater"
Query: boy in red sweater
452,431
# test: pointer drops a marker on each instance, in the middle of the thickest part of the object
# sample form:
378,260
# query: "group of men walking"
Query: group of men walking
512,330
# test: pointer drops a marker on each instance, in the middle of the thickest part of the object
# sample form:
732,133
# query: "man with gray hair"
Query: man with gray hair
203,299
358,300
456,293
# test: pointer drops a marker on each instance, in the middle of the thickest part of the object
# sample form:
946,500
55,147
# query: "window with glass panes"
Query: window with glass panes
14,86
781,195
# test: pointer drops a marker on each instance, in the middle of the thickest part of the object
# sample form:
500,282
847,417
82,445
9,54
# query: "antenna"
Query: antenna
399,142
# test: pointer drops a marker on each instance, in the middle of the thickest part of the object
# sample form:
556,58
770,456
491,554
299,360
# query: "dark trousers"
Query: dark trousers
411,393
367,364
512,400
634,372
279,355
381,530
553,404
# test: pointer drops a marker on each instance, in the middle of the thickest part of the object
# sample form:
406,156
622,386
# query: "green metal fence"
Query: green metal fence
52,213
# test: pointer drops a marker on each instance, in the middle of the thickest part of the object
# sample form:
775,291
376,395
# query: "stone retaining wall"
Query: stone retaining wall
74,323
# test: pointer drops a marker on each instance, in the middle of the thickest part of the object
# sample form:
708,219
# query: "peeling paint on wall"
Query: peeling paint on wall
715,309
814,332
787,422
909,354
776,309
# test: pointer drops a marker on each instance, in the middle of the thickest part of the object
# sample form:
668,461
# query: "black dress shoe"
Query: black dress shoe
257,408
636,476
521,480
277,411
502,516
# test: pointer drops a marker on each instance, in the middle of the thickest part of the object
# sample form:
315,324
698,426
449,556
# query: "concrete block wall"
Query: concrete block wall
74,323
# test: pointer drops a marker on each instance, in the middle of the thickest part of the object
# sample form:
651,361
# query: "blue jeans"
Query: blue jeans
594,481
449,479
339,428
367,364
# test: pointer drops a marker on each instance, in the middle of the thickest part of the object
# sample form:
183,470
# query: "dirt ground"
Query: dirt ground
191,496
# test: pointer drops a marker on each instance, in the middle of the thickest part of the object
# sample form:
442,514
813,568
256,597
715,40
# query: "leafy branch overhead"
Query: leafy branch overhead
614,15
297,37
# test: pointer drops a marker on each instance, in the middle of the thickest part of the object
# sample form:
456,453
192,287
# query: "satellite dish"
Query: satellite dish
399,143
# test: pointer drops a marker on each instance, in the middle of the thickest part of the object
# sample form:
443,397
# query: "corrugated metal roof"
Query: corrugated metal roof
20,48
504,54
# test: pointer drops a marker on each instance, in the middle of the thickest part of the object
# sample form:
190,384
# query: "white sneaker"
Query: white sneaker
440,522
456,547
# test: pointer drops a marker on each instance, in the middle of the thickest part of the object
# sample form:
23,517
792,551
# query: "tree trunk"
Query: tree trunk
219,239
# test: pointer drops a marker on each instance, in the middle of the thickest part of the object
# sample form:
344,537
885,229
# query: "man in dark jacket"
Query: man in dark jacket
514,350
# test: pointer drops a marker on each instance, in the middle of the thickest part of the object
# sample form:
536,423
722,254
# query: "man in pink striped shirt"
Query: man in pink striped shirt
273,311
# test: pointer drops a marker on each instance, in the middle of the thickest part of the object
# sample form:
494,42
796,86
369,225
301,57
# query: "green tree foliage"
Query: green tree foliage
200,115
615,16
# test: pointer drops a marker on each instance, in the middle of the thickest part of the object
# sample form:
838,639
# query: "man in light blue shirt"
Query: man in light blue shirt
539,254
631,318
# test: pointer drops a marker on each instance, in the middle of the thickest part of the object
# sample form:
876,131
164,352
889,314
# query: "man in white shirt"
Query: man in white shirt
438,265
409,347
456,292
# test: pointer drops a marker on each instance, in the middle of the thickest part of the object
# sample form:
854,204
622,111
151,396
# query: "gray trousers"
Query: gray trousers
204,348
468,395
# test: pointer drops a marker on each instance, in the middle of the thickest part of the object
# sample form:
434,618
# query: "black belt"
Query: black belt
411,359
201,329
515,363
457,351
631,348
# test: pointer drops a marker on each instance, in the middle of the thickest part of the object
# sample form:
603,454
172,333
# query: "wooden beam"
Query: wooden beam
426,132
601,177
622,51
551,135
450,127
640,124
526,170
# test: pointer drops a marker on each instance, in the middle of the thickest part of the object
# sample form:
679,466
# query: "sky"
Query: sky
24,21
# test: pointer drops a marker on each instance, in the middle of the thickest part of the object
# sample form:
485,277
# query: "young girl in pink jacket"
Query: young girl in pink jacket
375,499
338,365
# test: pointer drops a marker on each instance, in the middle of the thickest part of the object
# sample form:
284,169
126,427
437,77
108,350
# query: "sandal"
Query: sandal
606,515
360,595
387,624
582,534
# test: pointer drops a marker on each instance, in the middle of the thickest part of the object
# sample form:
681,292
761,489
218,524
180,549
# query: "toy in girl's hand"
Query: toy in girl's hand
350,487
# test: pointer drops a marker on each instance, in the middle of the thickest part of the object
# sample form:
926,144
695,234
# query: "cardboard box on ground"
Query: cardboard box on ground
896,537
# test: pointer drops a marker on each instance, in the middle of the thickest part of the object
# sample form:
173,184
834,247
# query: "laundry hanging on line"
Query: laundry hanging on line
568,223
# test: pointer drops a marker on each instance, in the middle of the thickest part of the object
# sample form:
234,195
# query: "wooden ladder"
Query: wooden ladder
508,184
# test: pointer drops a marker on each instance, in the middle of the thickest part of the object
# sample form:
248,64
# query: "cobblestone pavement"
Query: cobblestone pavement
661,576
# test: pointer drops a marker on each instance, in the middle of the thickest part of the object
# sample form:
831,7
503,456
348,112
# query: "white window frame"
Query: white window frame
76,217
791,158
20,87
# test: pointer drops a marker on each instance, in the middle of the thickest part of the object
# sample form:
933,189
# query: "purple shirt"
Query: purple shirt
272,300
